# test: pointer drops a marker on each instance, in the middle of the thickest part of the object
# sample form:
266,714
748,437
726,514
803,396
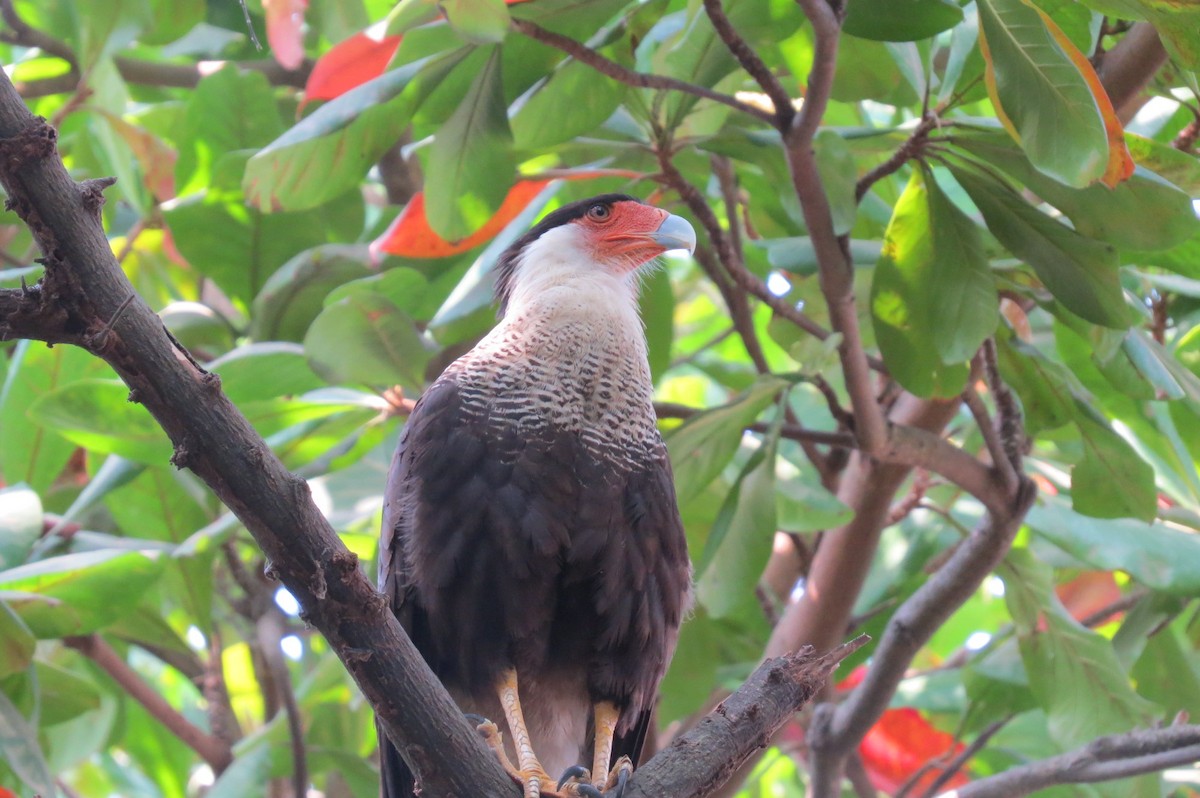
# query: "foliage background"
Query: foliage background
260,212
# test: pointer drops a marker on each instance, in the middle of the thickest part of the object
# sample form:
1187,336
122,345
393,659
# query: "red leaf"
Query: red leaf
350,63
285,30
410,235
899,744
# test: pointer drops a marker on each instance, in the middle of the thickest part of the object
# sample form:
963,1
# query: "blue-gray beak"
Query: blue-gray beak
675,233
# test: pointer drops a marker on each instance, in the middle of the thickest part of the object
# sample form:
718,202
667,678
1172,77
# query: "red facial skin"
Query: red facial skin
622,237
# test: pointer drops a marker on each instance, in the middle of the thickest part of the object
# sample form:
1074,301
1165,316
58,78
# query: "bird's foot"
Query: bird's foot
491,735
576,781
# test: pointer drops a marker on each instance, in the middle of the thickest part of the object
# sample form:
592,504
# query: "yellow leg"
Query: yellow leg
606,716
534,779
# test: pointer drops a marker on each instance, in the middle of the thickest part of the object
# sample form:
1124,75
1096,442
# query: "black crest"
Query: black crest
506,265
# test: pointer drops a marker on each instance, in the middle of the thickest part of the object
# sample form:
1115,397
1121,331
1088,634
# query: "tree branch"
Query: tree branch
836,731
833,263
605,66
1103,759
748,58
87,295
740,725
216,753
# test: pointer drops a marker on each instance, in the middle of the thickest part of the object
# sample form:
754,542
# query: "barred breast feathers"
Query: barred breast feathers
570,353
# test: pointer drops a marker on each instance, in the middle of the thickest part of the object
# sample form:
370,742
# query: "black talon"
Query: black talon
619,790
477,720
588,791
573,772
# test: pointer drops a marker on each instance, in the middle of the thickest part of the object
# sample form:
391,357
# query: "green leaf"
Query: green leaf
1049,104
1047,390
1161,557
965,291
407,289
17,643
98,415
240,247
20,524
741,540
907,312
366,339
293,296
1166,672
330,152
656,306
470,163
1080,272
575,96
703,445
1180,168
839,174
30,452
1068,666
56,597
1111,481
478,21
253,372
229,110
1145,212
20,750
900,20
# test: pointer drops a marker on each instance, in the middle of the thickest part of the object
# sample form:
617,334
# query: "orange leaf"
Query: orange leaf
410,235
349,64
1089,593
285,30
1120,161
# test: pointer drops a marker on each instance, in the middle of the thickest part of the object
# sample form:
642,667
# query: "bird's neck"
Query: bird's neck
572,359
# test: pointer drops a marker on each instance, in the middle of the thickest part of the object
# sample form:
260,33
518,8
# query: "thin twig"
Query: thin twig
793,432
612,69
906,152
751,62
956,764
1012,431
212,750
991,436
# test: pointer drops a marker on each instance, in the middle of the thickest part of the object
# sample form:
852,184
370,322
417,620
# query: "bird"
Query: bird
531,544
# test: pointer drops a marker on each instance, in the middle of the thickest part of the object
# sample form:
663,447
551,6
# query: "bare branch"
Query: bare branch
836,731
750,61
212,750
833,262
1105,758
612,69
83,292
740,726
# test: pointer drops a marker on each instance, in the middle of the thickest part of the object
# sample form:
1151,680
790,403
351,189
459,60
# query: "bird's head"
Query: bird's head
590,242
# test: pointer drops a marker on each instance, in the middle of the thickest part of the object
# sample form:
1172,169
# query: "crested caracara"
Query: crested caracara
531,541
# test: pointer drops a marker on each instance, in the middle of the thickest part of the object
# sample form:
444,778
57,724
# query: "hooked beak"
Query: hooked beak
675,233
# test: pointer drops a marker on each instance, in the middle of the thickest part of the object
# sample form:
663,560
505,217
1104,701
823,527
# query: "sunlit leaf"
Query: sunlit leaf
98,415
928,241
330,151
702,447
57,596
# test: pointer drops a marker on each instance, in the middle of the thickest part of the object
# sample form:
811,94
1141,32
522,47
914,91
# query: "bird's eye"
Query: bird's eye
599,212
